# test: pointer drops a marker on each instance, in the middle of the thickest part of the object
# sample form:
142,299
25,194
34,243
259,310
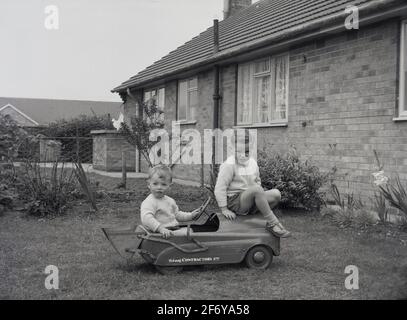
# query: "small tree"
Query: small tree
138,134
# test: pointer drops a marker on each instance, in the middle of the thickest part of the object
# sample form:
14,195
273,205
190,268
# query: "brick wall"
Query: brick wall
344,88
342,101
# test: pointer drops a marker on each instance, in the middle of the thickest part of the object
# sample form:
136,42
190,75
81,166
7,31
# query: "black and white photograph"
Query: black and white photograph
222,152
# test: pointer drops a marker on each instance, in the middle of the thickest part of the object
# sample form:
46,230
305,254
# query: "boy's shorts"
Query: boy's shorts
233,204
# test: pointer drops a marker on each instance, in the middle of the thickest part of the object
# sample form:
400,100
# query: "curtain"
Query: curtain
192,104
245,86
182,100
262,95
281,73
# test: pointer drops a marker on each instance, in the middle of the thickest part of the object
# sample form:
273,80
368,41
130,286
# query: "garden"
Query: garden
54,216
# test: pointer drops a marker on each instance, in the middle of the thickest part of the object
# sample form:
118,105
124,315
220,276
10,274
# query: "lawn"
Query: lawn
311,265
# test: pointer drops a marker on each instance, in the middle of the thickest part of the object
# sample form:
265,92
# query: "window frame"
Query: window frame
157,90
187,94
402,108
272,99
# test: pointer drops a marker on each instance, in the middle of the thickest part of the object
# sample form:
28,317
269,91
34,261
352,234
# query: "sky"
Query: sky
98,43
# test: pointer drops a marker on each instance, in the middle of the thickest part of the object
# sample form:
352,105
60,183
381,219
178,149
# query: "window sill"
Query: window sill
185,122
400,119
269,125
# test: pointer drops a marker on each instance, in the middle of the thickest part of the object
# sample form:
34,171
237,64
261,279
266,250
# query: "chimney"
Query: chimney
231,7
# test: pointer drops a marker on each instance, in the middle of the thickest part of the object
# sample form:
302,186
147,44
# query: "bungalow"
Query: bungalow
29,112
294,71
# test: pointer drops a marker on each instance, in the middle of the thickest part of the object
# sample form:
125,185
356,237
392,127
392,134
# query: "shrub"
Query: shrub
86,185
344,218
299,182
49,192
396,194
81,125
14,141
66,131
349,210
138,133
379,206
7,197
8,192
347,202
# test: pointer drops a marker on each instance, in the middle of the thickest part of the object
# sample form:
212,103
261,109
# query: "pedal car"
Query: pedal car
208,241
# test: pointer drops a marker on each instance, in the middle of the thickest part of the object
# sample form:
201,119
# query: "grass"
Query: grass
311,265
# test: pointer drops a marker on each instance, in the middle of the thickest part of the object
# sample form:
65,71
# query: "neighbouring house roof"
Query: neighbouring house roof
263,22
44,111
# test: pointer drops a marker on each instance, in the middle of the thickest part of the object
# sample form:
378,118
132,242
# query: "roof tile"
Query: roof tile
255,23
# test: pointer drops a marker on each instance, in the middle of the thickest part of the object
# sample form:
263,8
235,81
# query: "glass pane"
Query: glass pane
193,105
280,111
193,83
182,100
147,96
161,102
161,99
245,85
262,66
262,95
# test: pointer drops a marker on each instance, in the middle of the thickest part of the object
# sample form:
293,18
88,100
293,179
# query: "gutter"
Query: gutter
288,37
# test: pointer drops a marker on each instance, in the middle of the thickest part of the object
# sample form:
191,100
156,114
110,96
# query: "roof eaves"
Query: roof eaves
294,32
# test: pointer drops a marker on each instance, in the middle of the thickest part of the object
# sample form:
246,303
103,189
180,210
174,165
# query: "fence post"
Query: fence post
77,143
124,169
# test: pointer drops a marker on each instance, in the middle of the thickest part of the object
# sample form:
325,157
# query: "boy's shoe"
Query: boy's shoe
278,230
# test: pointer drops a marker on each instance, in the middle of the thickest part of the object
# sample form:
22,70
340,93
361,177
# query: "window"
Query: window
263,91
187,99
403,71
156,97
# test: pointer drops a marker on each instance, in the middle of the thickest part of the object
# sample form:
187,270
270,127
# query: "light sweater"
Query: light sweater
156,212
234,178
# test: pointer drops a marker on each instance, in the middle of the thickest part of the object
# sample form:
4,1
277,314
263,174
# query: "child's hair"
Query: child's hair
163,171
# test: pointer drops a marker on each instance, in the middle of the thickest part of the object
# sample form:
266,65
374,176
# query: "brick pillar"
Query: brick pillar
107,151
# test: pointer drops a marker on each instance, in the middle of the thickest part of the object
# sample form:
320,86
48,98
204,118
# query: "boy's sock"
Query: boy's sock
271,219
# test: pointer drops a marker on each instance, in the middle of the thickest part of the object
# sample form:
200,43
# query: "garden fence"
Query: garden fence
65,149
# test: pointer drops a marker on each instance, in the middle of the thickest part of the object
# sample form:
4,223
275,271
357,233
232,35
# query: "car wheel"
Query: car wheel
259,257
168,270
